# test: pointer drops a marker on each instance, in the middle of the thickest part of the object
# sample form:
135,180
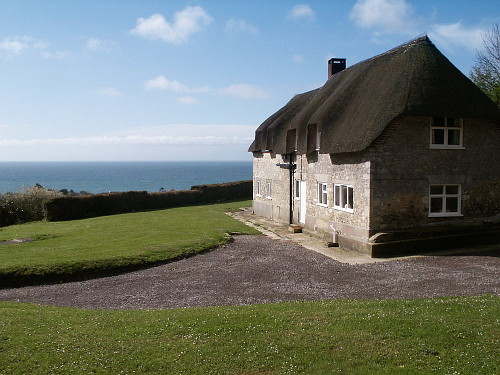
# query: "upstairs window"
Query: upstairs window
269,191
343,197
444,200
313,138
258,189
446,132
322,194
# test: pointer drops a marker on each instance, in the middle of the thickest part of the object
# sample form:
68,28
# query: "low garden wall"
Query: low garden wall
85,206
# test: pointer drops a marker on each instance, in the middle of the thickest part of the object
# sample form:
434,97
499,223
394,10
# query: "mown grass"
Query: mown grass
64,249
456,335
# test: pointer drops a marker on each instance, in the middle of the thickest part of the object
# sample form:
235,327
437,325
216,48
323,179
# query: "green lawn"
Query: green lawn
433,336
113,242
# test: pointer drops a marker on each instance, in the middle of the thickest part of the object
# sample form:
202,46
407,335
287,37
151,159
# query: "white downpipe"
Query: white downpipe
335,234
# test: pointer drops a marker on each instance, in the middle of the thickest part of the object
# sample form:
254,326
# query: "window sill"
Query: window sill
444,147
321,205
445,215
269,197
350,210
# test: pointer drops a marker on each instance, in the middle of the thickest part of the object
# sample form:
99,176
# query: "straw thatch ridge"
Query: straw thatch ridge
355,106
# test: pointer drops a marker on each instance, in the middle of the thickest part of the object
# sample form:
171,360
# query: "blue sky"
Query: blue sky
190,80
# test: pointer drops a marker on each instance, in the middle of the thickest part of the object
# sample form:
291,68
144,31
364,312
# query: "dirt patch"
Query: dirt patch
16,240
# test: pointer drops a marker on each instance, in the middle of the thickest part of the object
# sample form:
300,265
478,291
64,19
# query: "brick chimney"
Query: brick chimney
335,65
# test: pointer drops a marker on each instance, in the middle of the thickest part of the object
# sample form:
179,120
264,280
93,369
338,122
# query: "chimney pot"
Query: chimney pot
335,65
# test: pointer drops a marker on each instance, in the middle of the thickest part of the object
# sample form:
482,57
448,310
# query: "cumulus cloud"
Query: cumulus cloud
455,35
168,135
186,100
301,11
162,83
109,92
19,44
94,44
245,91
298,58
188,21
387,16
235,26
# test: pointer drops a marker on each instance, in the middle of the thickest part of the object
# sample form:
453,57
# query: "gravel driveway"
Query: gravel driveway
256,269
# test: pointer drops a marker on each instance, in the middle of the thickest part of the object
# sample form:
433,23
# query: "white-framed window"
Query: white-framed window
343,197
322,194
258,189
445,200
446,132
297,189
269,191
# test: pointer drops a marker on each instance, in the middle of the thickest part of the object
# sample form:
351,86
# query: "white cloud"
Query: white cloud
13,46
19,44
182,134
186,22
245,91
109,92
55,55
234,26
298,58
186,100
162,83
94,44
455,35
387,16
301,11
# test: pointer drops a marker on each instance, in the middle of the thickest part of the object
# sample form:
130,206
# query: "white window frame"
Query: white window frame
322,194
443,197
445,128
258,192
338,197
269,190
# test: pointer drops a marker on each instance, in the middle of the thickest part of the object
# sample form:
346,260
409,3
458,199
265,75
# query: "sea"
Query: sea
104,177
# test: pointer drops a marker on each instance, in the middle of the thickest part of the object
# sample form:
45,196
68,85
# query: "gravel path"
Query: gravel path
256,269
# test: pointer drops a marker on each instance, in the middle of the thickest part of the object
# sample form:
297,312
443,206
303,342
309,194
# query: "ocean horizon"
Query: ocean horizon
104,176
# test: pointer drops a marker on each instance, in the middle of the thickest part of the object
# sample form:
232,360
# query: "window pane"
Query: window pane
297,189
438,121
350,203
437,189
438,136
344,196
452,189
337,196
452,204
454,137
436,204
454,123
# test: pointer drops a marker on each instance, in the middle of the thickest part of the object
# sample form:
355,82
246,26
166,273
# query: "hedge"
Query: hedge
85,206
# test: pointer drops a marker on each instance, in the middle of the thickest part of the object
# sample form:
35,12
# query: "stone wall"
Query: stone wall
276,206
348,170
404,165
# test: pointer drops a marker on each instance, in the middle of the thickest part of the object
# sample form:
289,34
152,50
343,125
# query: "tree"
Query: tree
486,71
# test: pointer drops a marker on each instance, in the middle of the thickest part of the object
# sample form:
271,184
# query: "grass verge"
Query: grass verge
110,244
456,335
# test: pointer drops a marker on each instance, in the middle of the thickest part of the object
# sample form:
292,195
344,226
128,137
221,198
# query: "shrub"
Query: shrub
28,204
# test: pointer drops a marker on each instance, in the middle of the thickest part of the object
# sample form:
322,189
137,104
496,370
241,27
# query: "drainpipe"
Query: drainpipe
335,240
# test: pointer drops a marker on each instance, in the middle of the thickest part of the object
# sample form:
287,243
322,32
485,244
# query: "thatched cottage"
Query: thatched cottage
398,153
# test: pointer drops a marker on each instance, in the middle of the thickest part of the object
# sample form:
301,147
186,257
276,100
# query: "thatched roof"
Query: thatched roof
353,108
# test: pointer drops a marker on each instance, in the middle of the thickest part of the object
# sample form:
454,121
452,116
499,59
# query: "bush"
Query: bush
85,206
28,204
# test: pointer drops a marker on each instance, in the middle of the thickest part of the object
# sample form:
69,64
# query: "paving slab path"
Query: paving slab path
257,269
